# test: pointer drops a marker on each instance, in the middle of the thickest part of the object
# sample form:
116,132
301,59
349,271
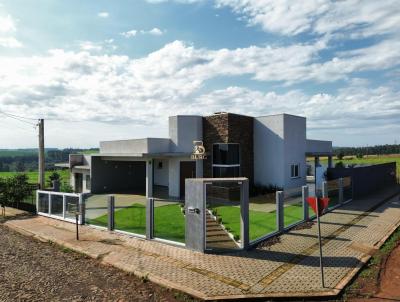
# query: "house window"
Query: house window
226,160
294,171
88,184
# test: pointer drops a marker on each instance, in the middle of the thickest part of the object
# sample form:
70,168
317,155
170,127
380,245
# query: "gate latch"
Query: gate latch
192,210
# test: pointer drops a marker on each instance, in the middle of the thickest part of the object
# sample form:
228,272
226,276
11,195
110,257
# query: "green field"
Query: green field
33,176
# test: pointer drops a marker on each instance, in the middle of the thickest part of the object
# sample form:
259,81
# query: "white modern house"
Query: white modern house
268,150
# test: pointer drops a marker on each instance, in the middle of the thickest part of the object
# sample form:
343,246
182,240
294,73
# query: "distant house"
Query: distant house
269,150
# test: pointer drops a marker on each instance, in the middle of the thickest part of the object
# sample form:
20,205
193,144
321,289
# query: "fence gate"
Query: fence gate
209,204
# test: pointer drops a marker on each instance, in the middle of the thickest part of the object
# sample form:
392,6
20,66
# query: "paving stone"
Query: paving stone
288,268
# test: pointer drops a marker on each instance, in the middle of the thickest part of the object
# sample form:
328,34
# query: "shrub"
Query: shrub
339,165
340,155
14,190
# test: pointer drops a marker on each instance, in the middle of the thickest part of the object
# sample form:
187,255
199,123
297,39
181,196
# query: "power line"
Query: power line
17,118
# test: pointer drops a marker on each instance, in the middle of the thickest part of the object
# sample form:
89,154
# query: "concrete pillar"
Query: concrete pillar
56,185
279,211
199,168
324,189
149,178
341,196
330,161
82,209
244,214
150,218
49,212
110,210
304,193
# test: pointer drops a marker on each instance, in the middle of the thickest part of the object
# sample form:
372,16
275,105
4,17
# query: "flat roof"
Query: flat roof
142,155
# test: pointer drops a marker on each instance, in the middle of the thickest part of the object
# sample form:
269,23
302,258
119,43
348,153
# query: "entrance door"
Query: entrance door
187,170
78,182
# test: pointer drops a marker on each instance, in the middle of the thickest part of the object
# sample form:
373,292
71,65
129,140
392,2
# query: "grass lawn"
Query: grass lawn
261,223
169,222
33,176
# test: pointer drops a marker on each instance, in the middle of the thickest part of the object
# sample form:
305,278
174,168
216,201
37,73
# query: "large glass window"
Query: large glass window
226,160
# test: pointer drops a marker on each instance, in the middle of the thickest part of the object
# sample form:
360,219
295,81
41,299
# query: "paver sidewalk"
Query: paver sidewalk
289,268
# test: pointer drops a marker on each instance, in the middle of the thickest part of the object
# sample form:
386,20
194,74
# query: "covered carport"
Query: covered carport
121,174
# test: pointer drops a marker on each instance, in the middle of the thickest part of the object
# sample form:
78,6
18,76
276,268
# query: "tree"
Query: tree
16,189
340,155
20,166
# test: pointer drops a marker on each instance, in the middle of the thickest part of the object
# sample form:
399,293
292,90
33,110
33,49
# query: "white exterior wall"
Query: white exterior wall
295,150
161,176
174,175
183,130
269,150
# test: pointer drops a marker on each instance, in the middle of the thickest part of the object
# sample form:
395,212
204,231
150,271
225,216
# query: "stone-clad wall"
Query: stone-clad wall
230,128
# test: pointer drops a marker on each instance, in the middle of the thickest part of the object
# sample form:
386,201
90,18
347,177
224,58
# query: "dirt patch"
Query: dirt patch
37,271
380,280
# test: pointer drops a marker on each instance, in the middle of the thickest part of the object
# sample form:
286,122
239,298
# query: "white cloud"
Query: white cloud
112,88
7,24
129,33
8,30
291,17
155,32
103,14
133,32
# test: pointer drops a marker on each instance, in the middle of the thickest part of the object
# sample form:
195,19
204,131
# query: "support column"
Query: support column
279,211
324,189
199,168
305,194
149,178
110,209
150,218
330,162
341,196
244,214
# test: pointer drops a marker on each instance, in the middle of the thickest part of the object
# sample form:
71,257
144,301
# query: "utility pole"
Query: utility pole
41,154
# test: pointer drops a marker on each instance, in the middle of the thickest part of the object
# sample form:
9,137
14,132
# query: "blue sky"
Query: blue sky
101,70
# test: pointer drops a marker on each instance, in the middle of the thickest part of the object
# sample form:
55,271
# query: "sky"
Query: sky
108,70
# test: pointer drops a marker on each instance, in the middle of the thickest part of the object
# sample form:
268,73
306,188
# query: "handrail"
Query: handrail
59,193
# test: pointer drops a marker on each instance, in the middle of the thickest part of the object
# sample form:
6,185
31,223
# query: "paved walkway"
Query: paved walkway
289,268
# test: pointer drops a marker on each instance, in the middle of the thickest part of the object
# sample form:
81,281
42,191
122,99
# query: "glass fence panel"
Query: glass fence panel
169,220
223,215
292,206
43,203
333,192
71,205
262,214
347,188
96,210
130,213
57,208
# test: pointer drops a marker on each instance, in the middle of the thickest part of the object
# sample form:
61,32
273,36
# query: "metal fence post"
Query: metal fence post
305,194
150,218
324,189
244,214
279,211
82,209
111,206
37,201
63,206
49,211
341,195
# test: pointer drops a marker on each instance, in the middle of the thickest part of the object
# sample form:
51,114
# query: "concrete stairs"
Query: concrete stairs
216,236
